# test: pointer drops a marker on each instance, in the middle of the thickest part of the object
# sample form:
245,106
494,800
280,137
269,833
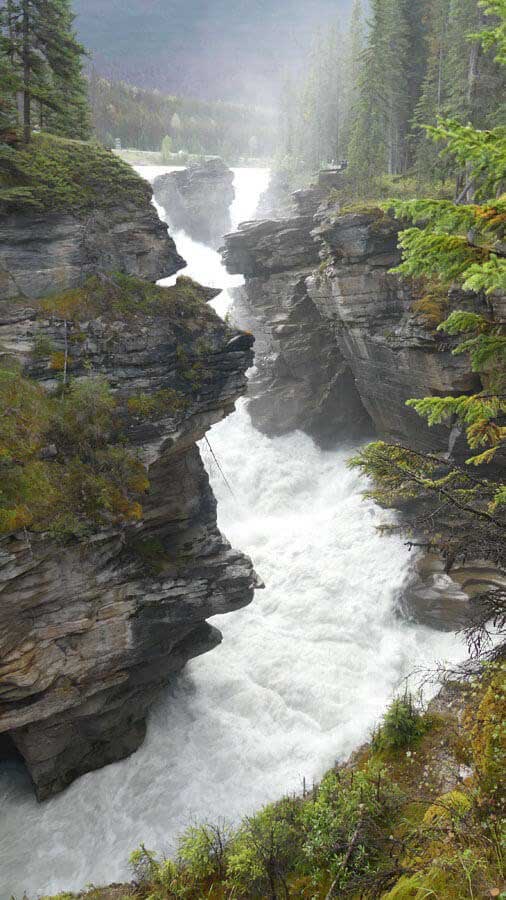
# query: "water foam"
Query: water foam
301,675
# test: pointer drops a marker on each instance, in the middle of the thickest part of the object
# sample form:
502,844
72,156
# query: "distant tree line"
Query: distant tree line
41,79
43,87
366,93
143,119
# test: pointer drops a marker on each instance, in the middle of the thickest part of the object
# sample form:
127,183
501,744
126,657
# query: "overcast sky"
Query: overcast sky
220,49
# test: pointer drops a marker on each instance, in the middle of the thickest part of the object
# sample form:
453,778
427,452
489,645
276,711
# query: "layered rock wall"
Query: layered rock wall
198,200
43,253
90,629
303,380
345,344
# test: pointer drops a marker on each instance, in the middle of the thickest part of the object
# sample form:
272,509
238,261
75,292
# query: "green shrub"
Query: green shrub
203,850
159,879
344,824
401,727
87,480
265,850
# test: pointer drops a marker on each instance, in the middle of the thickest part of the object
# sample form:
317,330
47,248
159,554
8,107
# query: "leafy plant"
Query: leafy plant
64,469
401,726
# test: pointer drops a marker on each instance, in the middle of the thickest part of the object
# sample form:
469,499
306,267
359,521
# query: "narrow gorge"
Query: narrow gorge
252,450
302,673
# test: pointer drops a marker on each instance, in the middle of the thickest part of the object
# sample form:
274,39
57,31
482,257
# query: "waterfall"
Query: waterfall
298,681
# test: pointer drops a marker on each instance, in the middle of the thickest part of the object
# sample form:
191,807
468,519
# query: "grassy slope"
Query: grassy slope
54,173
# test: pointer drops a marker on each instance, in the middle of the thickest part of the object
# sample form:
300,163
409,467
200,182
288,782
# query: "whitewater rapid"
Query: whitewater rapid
298,681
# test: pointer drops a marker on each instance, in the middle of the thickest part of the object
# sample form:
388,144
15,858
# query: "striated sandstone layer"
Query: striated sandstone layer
198,199
91,629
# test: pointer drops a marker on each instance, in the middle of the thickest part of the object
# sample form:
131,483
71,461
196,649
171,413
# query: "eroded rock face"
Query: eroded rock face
90,630
43,254
198,200
344,344
394,353
444,600
303,379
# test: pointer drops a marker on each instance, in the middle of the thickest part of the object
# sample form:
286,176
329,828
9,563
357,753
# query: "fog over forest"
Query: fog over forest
227,49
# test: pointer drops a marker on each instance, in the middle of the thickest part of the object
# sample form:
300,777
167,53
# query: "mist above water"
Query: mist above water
298,681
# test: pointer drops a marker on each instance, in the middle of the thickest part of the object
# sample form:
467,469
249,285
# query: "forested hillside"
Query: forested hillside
367,93
142,118
231,50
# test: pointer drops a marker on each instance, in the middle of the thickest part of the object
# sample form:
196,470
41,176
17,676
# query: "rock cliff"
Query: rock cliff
303,379
42,253
346,343
343,344
198,200
92,627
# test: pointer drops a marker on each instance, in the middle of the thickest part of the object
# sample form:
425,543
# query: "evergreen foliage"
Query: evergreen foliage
42,60
368,93
142,119
401,727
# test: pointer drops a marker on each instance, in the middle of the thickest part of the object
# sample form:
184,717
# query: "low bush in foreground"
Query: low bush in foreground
381,826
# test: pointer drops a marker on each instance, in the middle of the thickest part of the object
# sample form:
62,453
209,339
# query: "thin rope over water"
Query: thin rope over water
222,473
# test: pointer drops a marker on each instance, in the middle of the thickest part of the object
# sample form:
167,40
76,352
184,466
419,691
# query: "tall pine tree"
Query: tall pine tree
43,59
352,57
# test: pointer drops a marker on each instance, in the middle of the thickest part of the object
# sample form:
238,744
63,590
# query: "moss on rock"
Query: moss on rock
57,174
118,297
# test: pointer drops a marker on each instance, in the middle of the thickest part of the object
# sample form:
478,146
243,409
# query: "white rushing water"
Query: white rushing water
301,675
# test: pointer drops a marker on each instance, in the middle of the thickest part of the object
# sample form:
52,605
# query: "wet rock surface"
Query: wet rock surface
90,630
447,601
303,380
198,200
43,254
345,344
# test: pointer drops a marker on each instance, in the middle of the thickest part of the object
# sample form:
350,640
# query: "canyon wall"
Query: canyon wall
345,341
91,628
198,199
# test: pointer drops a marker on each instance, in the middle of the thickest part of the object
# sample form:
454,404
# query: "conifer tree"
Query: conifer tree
352,56
10,82
389,87
43,56
68,112
460,244
368,141
434,91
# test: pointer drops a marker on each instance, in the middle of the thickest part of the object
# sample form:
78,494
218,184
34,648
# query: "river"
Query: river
300,677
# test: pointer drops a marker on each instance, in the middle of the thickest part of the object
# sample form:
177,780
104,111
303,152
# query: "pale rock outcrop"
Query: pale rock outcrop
43,253
198,199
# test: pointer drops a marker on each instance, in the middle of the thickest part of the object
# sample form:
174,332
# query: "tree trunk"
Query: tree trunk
27,75
472,75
